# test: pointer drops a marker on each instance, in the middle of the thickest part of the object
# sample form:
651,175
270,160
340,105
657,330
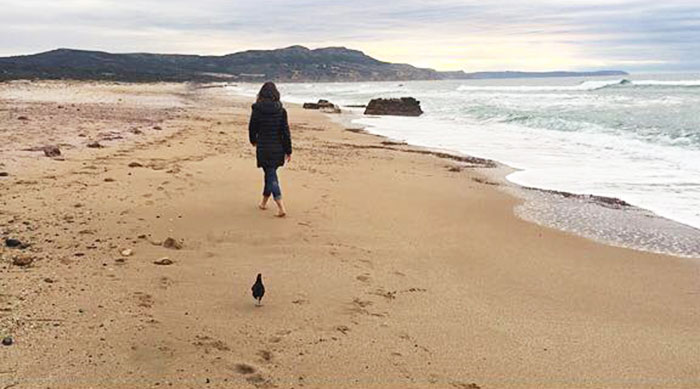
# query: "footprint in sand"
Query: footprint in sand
210,344
389,295
165,282
365,277
251,374
265,355
144,299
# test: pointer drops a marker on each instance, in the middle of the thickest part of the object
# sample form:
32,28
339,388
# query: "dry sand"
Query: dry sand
391,270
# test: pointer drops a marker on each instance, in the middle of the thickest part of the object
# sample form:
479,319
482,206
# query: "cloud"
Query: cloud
445,34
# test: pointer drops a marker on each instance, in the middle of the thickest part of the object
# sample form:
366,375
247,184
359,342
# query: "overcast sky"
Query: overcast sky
636,35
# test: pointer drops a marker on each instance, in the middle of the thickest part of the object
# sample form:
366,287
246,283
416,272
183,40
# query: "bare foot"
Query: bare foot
281,210
263,203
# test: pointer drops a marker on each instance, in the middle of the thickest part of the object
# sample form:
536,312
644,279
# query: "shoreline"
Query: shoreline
553,151
390,270
662,235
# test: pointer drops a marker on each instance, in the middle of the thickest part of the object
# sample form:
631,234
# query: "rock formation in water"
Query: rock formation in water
405,106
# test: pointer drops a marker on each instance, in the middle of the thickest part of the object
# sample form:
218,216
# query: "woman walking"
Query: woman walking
268,131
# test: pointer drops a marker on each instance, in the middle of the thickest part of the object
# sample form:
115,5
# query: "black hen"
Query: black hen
258,289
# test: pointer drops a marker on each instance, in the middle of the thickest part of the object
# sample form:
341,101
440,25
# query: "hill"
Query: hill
291,64
295,63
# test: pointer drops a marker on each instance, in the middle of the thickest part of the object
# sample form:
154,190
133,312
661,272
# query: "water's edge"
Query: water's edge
607,220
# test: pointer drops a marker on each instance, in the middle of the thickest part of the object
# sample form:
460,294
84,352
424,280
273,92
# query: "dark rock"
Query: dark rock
405,106
157,128
323,105
22,260
10,242
49,280
23,118
51,151
109,179
243,368
171,243
164,261
135,164
4,174
94,145
7,341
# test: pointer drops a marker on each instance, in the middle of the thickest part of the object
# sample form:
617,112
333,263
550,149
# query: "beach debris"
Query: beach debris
404,106
94,145
171,243
51,151
483,181
7,341
135,164
164,261
109,179
393,143
22,260
605,201
127,252
157,128
462,385
343,329
258,290
4,174
109,135
49,280
23,118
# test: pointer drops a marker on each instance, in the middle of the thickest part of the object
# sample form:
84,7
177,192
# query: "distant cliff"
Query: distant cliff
295,63
291,64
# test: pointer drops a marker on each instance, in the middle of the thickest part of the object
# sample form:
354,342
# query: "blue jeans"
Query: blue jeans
272,183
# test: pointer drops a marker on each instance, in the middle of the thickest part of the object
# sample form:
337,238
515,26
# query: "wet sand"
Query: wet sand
394,269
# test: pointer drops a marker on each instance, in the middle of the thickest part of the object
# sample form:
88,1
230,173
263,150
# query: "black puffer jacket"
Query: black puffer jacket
269,131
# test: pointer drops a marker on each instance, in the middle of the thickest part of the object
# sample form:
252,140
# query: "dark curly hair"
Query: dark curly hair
268,92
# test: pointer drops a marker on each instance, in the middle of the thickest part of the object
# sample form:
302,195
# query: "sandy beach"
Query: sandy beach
395,268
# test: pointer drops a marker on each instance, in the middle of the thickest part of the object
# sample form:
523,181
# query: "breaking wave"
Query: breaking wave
584,86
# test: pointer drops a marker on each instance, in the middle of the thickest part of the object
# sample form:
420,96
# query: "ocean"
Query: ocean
635,138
